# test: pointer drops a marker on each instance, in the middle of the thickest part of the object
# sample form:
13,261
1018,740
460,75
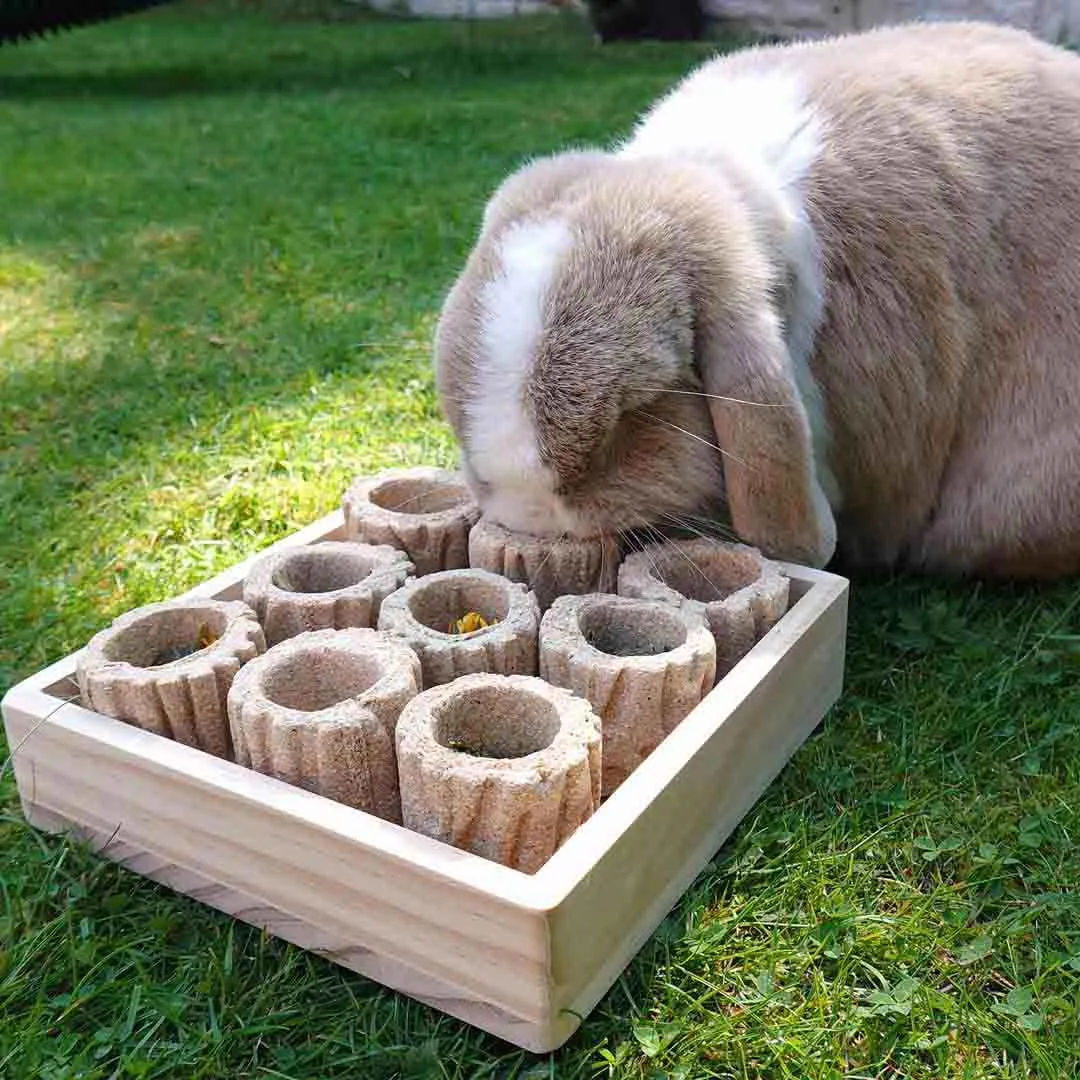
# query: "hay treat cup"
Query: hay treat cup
331,585
319,711
168,667
642,665
423,511
504,766
741,594
431,613
550,566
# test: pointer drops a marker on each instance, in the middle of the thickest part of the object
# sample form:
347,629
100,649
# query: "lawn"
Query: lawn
224,237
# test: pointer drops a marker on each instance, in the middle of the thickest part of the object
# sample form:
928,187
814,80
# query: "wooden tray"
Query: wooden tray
524,957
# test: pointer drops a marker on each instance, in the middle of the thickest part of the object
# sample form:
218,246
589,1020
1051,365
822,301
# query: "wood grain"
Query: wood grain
524,957
676,810
344,951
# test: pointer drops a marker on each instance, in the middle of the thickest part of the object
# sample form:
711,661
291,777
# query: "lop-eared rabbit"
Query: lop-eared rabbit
827,293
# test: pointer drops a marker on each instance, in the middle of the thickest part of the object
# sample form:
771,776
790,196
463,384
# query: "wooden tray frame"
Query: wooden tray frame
523,957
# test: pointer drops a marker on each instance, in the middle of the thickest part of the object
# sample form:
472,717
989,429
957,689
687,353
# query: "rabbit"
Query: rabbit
826,293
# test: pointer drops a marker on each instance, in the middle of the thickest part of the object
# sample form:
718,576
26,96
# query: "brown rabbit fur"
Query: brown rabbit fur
860,334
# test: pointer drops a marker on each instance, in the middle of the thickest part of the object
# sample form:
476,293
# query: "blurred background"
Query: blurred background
226,230
613,20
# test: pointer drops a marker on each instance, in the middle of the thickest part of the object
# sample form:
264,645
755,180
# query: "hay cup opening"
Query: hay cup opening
319,711
422,611
332,585
425,512
641,664
504,766
739,592
484,721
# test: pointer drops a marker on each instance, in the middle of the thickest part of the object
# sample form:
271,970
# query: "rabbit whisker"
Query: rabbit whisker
671,545
554,542
697,438
645,549
399,508
715,397
705,528
603,560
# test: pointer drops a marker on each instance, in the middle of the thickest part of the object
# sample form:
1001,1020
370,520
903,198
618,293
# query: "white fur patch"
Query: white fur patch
760,125
759,121
503,450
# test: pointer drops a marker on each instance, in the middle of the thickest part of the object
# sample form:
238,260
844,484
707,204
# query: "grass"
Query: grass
223,241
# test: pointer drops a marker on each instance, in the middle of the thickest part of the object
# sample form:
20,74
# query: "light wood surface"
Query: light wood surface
344,951
521,956
668,819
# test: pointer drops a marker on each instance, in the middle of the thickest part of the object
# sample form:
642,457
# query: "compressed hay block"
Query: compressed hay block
423,511
550,566
641,664
167,668
331,585
422,612
504,766
740,592
319,711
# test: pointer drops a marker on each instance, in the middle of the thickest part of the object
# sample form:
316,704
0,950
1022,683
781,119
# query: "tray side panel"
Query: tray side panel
601,923
480,951
521,959
394,974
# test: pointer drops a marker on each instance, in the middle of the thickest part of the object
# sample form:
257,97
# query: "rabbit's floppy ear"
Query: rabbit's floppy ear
774,496
538,183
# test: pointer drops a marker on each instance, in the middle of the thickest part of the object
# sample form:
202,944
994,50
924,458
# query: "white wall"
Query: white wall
1050,19
474,9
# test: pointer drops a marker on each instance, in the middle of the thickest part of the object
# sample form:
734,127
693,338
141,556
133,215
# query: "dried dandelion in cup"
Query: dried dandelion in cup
498,633
167,668
469,623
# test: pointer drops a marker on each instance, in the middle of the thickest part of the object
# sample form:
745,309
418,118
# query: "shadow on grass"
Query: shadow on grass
283,238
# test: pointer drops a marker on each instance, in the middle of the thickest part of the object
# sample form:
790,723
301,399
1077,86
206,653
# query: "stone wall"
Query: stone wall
1053,20
469,9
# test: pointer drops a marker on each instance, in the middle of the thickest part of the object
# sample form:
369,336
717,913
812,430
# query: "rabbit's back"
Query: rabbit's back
937,169
947,205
